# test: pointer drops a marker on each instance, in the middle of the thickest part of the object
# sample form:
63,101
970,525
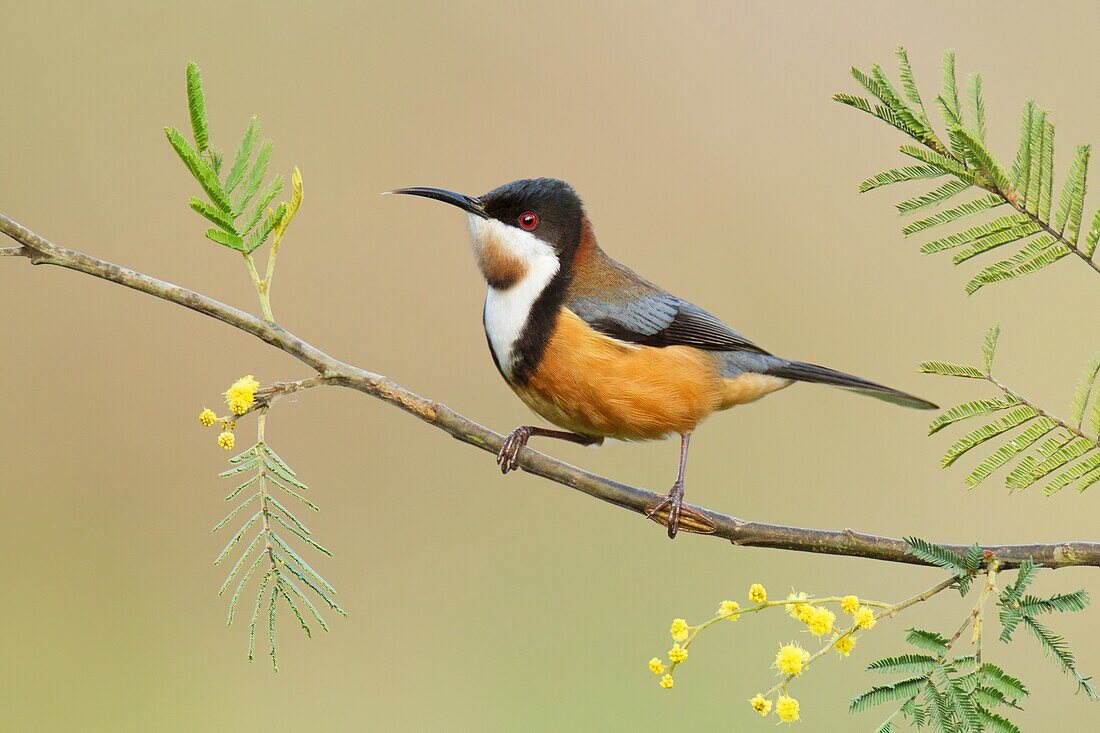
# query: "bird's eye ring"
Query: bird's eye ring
528,220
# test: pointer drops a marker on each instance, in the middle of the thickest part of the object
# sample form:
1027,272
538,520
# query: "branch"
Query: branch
41,251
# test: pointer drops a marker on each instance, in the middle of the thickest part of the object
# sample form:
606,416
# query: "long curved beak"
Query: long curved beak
469,204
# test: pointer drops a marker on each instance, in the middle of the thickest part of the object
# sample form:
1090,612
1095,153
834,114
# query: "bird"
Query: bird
599,351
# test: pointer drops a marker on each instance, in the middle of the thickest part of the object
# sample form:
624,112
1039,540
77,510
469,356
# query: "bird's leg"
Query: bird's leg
508,457
674,500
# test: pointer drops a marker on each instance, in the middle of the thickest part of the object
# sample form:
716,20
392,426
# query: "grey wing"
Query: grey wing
659,319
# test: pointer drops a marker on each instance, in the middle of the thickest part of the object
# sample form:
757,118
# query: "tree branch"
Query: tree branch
41,251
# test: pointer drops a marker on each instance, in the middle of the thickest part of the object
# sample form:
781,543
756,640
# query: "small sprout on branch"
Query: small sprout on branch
240,204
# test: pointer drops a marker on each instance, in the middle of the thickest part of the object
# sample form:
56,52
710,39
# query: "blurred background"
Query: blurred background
704,141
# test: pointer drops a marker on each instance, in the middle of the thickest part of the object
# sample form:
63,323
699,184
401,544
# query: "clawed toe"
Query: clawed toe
674,500
508,456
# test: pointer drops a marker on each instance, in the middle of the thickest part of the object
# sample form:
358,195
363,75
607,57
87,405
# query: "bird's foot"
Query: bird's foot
671,512
674,503
508,456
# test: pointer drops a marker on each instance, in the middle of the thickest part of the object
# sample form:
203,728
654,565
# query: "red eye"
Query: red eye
528,220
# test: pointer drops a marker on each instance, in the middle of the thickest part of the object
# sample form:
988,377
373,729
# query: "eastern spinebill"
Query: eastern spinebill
596,349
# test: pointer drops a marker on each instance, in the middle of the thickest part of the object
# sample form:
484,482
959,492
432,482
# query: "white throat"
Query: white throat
506,310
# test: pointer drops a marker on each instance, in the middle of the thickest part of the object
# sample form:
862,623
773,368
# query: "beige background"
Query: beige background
704,142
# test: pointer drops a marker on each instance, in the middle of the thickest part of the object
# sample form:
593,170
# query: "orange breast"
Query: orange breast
594,385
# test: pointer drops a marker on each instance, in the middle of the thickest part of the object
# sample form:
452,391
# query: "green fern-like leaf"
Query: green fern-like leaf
196,105
1071,207
1085,388
199,168
226,239
987,236
254,179
1027,187
947,369
904,664
1057,649
1013,419
979,157
1006,684
936,555
900,175
282,564
928,641
1059,603
967,410
1041,252
243,155
1014,447
977,106
989,346
213,215
953,214
894,692
935,197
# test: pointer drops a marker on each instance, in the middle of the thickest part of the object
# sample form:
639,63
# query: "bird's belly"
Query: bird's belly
592,384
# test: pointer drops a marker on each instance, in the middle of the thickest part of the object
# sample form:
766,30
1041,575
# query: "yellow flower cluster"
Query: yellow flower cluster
820,620
241,394
797,608
844,645
730,609
761,705
207,417
790,658
678,654
786,707
864,618
227,440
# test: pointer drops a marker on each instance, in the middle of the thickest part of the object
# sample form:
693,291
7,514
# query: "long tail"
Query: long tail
804,372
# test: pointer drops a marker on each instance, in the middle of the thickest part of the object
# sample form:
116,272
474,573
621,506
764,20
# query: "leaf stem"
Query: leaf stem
261,287
1042,413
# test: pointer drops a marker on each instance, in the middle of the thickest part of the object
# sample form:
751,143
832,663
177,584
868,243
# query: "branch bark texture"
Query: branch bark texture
332,371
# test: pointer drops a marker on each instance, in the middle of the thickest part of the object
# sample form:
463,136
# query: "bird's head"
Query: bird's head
526,226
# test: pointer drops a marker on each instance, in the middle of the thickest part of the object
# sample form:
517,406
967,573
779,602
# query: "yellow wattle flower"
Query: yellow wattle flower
864,618
820,621
849,604
758,594
786,707
207,417
790,658
241,394
761,705
656,667
679,629
844,645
